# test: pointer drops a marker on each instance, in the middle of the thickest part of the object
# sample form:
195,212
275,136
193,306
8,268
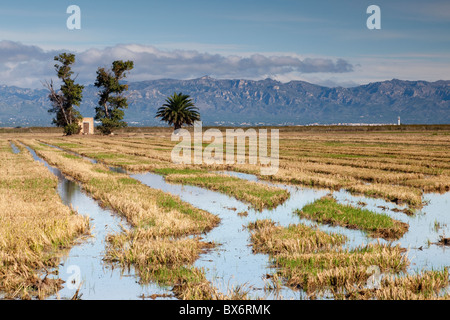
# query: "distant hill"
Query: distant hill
269,102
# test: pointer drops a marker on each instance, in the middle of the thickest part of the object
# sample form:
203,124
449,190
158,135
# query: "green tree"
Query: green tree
112,102
69,95
178,110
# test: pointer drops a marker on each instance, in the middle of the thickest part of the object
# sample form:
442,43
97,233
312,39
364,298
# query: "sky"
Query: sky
326,42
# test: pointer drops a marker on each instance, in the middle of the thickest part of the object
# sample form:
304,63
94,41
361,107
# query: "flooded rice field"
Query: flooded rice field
426,225
232,263
99,280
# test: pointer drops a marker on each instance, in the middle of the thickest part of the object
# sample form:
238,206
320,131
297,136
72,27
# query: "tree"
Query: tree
69,95
178,110
112,102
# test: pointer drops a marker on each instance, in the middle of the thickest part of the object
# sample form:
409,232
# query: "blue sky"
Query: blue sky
324,42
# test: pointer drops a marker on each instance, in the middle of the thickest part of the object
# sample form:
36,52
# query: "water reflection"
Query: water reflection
425,226
93,161
68,191
14,148
233,263
99,279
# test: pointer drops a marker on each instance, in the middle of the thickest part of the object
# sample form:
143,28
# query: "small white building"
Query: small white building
87,126
398,122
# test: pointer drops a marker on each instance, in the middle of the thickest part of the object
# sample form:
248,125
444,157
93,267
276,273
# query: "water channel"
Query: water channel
232,263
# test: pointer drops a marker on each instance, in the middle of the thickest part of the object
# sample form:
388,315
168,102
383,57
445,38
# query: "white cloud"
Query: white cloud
27,65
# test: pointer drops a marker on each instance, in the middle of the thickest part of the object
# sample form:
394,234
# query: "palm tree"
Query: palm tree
178,110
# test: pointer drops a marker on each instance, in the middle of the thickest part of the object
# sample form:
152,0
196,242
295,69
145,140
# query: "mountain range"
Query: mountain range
249,102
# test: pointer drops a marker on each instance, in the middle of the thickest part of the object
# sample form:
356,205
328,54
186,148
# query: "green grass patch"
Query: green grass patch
101,156
166,275
105,171
168,202
128,181
327,210
71,156
37,184
68,145
258,195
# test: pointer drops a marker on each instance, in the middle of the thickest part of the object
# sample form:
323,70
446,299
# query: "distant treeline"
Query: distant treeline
31,130
324,128
406,127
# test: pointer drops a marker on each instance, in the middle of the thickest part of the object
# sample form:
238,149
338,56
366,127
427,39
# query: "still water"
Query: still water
232,263
99,280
